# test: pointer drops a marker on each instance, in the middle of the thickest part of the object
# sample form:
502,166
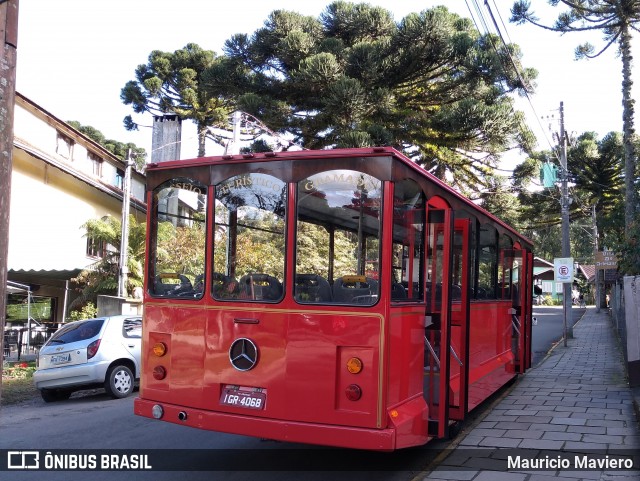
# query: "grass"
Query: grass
17,383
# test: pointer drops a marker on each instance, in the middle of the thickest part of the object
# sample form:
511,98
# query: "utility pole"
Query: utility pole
124,238
595,240
564,211
9,31
233,146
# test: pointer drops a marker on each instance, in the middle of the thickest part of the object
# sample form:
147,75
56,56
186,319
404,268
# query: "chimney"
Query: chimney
166,138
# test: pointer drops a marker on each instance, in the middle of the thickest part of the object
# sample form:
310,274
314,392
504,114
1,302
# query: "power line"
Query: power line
486,30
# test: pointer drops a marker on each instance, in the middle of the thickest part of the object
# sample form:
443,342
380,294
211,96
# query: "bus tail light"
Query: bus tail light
159,349
159,373
354,365
353,392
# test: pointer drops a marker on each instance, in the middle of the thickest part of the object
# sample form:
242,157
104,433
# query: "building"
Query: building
60,180
544,279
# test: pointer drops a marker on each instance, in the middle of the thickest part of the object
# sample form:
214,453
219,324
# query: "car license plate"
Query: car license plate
61,358
243,397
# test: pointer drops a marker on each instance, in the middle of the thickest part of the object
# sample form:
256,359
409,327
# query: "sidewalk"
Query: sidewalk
574,408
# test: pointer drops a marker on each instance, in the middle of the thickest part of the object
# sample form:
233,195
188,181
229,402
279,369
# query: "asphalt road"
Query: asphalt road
93,421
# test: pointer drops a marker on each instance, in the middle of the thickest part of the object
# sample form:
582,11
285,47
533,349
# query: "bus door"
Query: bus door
459,338
447,317
516,267
521,309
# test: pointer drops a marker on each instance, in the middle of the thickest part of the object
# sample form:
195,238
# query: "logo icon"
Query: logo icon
23,460
243,354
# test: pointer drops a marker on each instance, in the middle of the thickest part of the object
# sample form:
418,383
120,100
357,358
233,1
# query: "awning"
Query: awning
15,288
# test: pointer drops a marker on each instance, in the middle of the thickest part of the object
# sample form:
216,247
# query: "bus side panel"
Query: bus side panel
490,356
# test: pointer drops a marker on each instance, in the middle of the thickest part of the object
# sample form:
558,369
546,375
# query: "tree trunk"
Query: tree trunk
628,130
9,43
202,137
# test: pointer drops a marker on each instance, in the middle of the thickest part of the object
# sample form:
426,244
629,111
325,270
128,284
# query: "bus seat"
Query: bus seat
222,285
261,287
455,292
398,291
347,290
312,288
171,289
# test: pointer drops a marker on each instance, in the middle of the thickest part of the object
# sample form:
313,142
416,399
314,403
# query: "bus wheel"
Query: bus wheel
119,381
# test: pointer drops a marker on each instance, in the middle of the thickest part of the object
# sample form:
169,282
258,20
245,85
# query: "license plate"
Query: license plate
61,358
243,398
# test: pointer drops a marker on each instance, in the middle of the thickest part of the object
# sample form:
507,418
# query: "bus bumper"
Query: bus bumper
289,431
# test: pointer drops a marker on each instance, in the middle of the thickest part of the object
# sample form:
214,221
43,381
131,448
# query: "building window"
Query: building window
64,146
119,179
95,248
96,164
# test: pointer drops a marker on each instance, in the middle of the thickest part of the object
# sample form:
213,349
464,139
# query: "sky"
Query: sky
74,57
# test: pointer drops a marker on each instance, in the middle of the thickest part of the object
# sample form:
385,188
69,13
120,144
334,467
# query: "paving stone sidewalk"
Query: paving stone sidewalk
573,410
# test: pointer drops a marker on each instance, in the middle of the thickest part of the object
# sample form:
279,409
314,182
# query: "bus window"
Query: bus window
249,238
487,263
177,259
506,269
407,283
469,219
338,238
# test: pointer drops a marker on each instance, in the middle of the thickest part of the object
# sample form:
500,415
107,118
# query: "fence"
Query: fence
624,305
16,346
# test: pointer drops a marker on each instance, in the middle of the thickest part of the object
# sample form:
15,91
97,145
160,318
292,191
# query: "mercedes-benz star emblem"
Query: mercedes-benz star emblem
243,354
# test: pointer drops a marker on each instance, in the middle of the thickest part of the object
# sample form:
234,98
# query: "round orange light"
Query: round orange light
354,365
394,414
159,373
159,349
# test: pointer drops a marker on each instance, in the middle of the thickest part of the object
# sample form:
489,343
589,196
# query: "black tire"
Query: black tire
53,395
120,381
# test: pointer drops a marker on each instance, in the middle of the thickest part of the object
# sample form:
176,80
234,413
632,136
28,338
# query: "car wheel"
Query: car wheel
53,395
119,382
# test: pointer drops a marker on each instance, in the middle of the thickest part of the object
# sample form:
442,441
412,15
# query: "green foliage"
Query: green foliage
501,201
88,311
596,172
429,85
119,149
181,248
185,82
615,20
629,257
102,276
19,370
260,245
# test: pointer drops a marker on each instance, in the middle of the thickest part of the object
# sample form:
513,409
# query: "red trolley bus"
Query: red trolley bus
337,297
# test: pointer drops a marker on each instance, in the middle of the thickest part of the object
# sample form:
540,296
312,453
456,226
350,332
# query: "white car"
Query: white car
102,352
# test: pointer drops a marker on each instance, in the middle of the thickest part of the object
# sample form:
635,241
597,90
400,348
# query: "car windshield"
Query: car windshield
77,331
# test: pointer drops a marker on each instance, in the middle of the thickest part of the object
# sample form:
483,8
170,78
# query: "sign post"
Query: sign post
607,261
563,272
